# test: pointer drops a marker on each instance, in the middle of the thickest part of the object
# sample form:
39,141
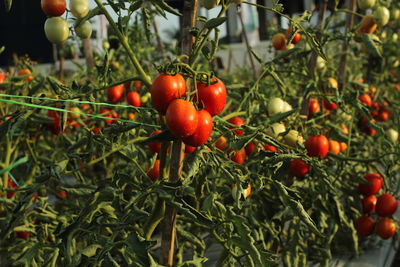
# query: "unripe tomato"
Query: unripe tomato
238,122
53,8
386,205
393,135
24,72
343,147
165,89
203,130
133,98
394,14
279,41
182,118
366,99
385,228
239,156
190,149
250,147
332,82
320,63
115,93
299,168
276,105
293,137
84,30
334,146
75,113
381,15
156,146
373,186
275,129
313,106
366,4
270,148
368,204
384,115
246,191
221,143
145,98
210,4
365,225
212,97
56,30
79,8
367,25
317,146
154,172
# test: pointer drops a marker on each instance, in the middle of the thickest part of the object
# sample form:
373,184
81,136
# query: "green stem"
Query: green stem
7,162
124,41
363,159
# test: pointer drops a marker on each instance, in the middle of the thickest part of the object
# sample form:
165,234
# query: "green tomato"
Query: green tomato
275,105
210,4
275,129
381,15
145,98
393,135
395,14
366,4
56,30
84,30
293,137
106,45
79,8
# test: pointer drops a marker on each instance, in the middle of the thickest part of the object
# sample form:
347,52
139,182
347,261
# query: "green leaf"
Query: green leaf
162,4
370,45
215,22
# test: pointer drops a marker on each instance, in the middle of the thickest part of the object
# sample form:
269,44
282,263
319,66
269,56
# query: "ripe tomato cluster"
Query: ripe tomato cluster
384,206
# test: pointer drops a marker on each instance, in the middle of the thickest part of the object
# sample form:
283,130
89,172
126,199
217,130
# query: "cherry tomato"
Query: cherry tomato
385,228
96,130
270,148
221,143
299,168
212,97
238,122
313,106
381,15
365,226
24,72
366,99
330,105
2,78
138,84
133,98
156,146
366,4
334,146
190,149
182,118
296,38
53,8
62,194
343,147
109,114
84,29
317,146
393,135
165,89
203,130
383,115
239,156
154,172
55,125
279,41
79,8
249,148
23,235
375,183
368,204
56,30
386,205
115,93
344,129
277,105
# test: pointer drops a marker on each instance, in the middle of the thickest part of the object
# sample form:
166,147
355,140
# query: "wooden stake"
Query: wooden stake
246,40
87,48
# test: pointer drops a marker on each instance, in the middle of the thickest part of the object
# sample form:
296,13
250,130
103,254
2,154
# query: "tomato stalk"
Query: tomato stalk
253,66
124,41
7,160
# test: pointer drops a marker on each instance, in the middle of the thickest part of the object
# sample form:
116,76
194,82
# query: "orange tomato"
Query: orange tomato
334,146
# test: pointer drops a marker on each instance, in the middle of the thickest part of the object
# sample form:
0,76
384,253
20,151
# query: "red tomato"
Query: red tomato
110,114
250,147
165,89
96,130
22,235
299,168
154,172
156,146
182,118
313,106
203,129
385,228
375,105
115,93
330,105
138,84
366,99
386,205
62,194
270,148
317,146
238,122
133,98
53,8
190,149
221,143
296,38
368,204
375,184
239,156
12,185
343,147
24,72
383,115
55,125
365,225
212,97
375,114
2,77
